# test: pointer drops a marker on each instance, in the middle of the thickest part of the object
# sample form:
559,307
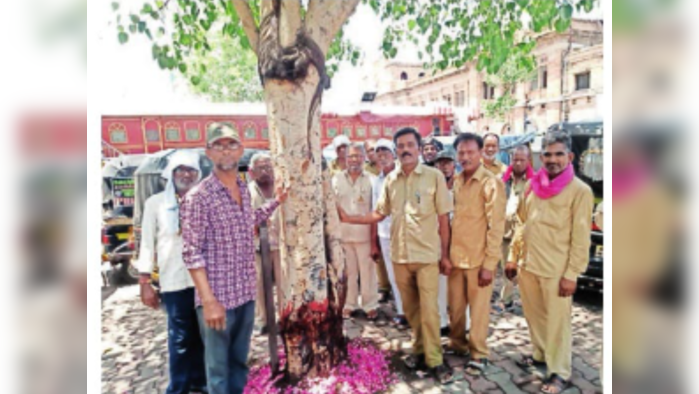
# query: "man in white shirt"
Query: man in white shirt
353,191
386,159
161,240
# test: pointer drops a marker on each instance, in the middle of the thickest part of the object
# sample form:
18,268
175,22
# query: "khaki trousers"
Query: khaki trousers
279,283
465,292
360,268
507,293
549,317
419,287
382,275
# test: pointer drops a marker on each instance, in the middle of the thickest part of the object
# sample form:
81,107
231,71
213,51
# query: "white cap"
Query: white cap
385,144
341,140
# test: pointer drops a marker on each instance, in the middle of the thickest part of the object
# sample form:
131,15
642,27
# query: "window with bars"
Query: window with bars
250,132
152,135
332,132
582,81
117,136
172,134
193,134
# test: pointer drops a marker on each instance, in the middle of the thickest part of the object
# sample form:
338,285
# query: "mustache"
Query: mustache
405,154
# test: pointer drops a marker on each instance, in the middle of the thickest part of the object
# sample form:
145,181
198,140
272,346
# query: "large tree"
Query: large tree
292,40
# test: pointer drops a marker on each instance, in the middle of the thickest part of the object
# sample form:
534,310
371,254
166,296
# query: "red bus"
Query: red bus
141,133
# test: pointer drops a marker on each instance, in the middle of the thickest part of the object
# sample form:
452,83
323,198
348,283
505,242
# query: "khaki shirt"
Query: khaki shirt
415,203
355,198
257,199
479,220
514,188
554,238
497,168
373,169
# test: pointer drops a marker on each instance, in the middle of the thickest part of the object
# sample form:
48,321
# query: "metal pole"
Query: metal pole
269,296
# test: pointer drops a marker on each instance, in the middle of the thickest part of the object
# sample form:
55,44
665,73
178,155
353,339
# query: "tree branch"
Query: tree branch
325,19
289,22
245,14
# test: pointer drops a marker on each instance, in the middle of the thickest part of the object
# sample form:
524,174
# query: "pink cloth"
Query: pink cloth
508,173
625,182
546,188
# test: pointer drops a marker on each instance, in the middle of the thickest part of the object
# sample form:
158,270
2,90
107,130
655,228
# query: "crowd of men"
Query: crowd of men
420,222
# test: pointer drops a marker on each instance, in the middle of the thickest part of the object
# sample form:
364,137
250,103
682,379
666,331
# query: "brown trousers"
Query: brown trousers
549,317
418,284
279,283
465,292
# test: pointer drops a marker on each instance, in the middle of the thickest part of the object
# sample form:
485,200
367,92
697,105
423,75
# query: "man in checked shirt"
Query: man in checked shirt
219,251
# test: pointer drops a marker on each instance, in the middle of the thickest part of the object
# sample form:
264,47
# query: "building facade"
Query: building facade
568,85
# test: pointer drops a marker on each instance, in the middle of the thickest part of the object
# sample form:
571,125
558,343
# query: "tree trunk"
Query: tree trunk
311,325
291,63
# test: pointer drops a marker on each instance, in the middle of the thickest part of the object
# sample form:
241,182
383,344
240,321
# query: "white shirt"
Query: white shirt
384,227
155,241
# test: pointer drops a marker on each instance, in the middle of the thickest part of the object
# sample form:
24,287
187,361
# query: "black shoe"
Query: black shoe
444,332
264,330
400,323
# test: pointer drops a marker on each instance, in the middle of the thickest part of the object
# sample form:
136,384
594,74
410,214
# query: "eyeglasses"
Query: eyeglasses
221,147
185,170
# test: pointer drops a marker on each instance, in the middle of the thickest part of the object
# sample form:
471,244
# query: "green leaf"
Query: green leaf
123,38
588,5
115,6
411,24
523,3
135,18
159,3
195,80
566,11
132,29
562,25
393,52
186,40
187,19
154,15
141,27
147,9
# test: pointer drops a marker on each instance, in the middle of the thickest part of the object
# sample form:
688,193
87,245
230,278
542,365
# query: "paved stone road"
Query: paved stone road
134,345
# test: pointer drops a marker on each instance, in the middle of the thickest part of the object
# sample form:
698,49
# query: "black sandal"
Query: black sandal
477,367
528,361
414,362
557,383
451,351
443,374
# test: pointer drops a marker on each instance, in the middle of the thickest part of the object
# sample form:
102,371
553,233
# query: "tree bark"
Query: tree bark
311,324
292,70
